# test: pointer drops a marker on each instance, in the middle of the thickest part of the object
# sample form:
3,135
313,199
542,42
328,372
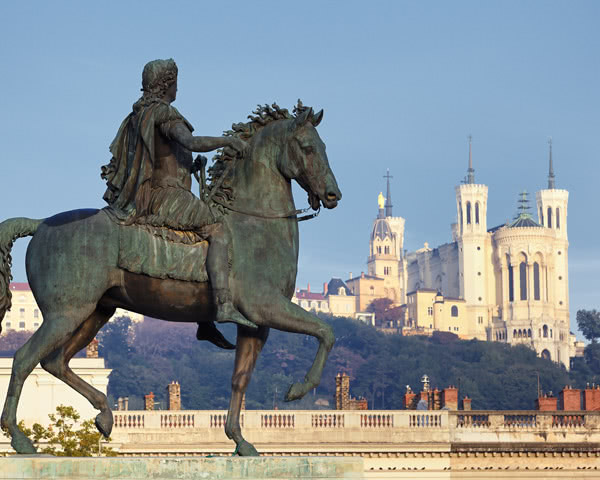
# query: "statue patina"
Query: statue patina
247,210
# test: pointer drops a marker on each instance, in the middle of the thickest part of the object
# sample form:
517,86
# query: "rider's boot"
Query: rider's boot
218,266
208,331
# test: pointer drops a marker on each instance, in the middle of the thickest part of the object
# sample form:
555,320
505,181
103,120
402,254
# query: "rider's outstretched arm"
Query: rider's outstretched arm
182,135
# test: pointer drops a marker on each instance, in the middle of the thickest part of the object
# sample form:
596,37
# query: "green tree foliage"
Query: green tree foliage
152,353
62,439
588,321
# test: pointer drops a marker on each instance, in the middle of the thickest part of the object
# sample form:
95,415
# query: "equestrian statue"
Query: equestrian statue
229,254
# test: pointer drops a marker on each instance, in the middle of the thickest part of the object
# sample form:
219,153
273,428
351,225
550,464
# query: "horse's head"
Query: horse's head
306,161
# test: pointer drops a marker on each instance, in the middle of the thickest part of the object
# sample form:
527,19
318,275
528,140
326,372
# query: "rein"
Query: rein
291,214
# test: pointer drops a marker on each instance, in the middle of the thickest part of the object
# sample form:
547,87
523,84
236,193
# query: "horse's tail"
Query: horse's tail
10,230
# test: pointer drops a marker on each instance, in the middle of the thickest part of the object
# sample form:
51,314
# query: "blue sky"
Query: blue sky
402,85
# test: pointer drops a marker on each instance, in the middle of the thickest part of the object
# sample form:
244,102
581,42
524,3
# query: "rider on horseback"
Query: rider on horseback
149,178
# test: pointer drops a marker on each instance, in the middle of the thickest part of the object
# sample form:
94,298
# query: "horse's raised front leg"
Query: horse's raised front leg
280,313
249,345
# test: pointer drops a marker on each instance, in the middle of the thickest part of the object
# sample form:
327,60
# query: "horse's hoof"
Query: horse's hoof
23,445
104,423
295,392
246,449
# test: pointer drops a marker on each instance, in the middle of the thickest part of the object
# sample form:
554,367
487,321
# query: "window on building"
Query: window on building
480,320
379,250
386,250
477,213
7,324
557,220
523,280
454,311
36,313
550,333
545,329
541,215
511,289
549,217
21,324
22,312
461,215
430,311
468,213
536,281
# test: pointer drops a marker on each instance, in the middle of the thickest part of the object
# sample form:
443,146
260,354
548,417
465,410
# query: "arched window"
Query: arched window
529,333
468,213
477,213
546,355
511,281
549,217
557,220
545,330
536,281
523,280
454,311
515,333
541,215
461,215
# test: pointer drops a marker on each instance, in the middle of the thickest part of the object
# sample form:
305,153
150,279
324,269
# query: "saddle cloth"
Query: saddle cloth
162,253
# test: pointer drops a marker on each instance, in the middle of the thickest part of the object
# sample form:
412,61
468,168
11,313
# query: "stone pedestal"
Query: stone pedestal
181,468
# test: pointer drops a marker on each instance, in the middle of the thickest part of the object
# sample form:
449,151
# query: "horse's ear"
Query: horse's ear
304,117
316,119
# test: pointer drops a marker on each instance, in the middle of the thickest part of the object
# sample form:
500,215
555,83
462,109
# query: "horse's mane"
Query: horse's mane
262,116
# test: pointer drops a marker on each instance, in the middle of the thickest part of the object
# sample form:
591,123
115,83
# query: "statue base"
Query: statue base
181,468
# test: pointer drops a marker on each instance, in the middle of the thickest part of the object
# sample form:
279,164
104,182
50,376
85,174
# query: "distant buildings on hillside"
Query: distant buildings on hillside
506,284
25,315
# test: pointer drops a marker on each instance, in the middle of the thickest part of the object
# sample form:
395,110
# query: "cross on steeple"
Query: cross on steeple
471,170
388,197
551,184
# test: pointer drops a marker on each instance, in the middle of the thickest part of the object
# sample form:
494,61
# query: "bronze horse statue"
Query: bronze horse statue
72,267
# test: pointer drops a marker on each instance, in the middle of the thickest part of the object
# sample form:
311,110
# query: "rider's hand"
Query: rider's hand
199,163
238,145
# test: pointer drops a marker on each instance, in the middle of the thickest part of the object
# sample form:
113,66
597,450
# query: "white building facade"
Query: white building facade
513,278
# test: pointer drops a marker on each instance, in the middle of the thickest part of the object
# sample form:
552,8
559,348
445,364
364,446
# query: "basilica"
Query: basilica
508,283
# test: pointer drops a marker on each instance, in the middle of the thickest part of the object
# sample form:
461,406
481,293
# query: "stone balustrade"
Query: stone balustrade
322,431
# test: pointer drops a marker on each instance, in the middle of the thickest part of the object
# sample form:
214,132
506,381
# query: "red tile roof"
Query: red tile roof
306,295
20,286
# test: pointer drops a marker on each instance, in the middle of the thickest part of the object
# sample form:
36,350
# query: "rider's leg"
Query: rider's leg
218,268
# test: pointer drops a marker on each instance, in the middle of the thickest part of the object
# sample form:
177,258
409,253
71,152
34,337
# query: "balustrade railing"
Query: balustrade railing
568,420
385,420
520,420
177,420
425,420
129,420
277,420
357,423
327,420
475,420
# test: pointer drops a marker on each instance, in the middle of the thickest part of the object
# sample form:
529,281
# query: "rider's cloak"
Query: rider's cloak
129,173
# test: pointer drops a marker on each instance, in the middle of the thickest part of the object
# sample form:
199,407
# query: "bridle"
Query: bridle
293,214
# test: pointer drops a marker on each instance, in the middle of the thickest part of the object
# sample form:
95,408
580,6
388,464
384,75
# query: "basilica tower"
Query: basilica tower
552,204
474,248
386,248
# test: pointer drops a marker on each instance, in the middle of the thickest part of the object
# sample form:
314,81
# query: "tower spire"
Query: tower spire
551,184
388,197
471,170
